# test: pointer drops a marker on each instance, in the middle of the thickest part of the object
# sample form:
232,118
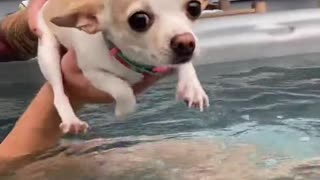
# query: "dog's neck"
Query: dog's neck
116,53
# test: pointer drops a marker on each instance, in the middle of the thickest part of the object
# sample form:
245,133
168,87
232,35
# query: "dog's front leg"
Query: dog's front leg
189,88
49,61
119,89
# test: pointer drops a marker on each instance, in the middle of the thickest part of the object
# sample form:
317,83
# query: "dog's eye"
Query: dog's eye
194,9
140,21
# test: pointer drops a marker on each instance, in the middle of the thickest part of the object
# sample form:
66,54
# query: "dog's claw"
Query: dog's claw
74,127
193,94
201,106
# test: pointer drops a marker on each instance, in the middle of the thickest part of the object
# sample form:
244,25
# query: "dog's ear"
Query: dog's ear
81,14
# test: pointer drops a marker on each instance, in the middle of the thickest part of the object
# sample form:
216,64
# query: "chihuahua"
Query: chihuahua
118,43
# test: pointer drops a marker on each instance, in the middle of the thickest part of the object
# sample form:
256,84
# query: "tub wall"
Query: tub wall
227,39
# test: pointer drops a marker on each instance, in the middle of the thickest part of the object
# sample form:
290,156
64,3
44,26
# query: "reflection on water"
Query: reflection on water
262,124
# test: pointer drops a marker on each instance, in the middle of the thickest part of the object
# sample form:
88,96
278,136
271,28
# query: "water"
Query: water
264,117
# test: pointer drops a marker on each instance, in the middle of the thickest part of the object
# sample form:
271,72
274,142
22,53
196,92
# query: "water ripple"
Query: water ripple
258,106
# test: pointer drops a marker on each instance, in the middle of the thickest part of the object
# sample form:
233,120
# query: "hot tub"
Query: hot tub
262,74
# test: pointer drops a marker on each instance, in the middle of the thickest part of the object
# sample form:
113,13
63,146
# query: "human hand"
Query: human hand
76,85
33,9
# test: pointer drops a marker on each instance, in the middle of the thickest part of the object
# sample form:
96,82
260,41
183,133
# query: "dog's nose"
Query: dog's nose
183,45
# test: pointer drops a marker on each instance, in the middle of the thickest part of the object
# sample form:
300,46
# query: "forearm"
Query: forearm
36,130
18,42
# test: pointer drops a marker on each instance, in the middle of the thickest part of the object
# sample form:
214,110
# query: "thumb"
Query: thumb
33,9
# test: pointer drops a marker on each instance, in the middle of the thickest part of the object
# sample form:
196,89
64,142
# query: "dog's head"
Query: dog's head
152,32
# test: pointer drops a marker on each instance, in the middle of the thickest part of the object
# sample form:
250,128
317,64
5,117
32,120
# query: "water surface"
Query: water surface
272,109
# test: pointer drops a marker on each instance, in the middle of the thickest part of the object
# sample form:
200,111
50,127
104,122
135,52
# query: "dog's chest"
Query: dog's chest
103,61
117,68
94,55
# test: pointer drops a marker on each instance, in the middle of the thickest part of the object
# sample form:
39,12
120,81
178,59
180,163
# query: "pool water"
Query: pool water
268,113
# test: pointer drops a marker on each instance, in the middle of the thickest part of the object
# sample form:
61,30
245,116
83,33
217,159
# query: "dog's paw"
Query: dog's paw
75,126
125,108
193,94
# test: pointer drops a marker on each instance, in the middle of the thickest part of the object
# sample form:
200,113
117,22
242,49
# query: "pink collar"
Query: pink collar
146,70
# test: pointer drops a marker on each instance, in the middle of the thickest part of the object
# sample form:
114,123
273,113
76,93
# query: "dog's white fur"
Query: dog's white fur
92,54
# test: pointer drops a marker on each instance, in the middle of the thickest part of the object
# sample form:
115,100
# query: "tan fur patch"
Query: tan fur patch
70,13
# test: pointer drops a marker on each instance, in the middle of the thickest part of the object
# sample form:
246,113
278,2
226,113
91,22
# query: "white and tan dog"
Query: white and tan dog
105,34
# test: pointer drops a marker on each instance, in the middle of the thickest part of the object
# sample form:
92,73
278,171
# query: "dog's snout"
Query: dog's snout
183,45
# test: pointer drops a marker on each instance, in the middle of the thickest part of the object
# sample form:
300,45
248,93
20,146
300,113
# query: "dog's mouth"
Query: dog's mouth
177,60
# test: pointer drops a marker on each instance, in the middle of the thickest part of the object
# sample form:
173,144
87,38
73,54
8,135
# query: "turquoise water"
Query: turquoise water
275,108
